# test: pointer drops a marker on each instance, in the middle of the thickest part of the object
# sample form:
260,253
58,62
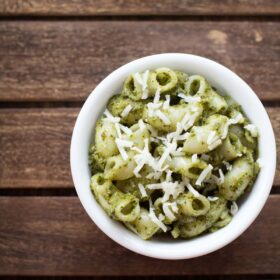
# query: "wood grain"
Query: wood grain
35,144
143,7
54,236
64,61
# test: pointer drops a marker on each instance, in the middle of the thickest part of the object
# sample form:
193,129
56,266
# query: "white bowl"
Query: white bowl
225,81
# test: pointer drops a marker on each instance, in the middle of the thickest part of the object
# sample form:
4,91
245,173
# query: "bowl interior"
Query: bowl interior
226,82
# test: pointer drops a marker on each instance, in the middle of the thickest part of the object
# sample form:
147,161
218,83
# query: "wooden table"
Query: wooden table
52,54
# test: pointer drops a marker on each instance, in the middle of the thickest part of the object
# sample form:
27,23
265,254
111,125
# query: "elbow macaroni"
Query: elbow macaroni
171,154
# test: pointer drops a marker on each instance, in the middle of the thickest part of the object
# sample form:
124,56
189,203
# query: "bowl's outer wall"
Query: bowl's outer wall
226,82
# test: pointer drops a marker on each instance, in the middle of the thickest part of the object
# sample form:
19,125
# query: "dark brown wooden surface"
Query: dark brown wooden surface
65,60
136,7
54,236
52,54
35,146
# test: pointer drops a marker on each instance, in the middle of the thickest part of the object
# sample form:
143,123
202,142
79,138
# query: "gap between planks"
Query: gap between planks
37,142
63,61
54,236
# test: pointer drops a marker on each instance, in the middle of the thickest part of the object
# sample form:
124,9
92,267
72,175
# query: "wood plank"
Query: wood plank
64,61
54,236
134,7
34,147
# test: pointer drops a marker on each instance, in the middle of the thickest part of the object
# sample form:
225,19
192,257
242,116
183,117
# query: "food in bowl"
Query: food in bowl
172,155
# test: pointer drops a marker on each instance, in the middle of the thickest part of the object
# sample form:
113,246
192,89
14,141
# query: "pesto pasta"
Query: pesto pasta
172,155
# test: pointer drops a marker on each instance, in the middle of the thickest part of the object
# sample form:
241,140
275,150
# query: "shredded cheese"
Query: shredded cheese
233,208
168,176
222,176
167,212
125,129
212,198
110,117
225,131
157,96
121,144
207,170
170,147
183,136
122,152
141,124
155,219
252,129
194,157
142,190
163,117
211,137
142,81
173,189
152,130
166,103
126,111
227,165
193,191
238,118
118,130
174,207
215,144
189,99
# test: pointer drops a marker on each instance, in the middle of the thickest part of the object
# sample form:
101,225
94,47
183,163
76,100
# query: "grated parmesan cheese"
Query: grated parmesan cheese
168,176
252,129
168,150
189,99
126,111
203,174
163,117
194,157
233,208
144,84
227,165
142,190
122,152
169,188
238,118
211,137
155,219
174,207
124,143
193,191
183,136
215,144
157,96
121,144
118,130
222,176
225,131
110,117
166,103
125,129
154,175
167,212
212,198
141,124
190,122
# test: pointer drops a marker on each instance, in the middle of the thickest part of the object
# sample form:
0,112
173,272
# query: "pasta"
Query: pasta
172,156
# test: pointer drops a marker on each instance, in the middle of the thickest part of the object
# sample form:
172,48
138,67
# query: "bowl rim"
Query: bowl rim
158,249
